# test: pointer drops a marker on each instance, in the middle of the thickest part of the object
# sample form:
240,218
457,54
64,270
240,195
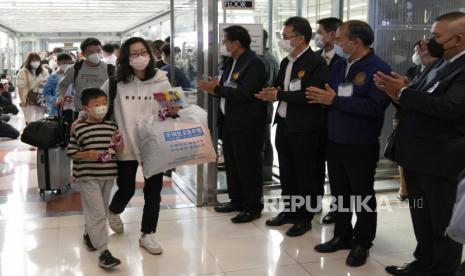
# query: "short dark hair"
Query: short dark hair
157,44
116,46
64,56
361,30
300,26
451,16
330,24
91,41
166,49
90,94
109,48
238,33
58,50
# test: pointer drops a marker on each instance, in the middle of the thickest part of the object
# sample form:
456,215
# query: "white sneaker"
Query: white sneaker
115,222
148,242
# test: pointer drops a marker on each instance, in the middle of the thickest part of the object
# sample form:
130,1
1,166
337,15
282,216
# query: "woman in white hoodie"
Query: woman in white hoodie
137,80
31,79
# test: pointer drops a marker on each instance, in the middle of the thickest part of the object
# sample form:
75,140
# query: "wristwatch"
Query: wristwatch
401,91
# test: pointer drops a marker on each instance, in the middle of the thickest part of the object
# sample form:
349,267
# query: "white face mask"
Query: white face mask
319,41
95,58
416,58
35,64
99,112
63,67
224,52
286,46
140,62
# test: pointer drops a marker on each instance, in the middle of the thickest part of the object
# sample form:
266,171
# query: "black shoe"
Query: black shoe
299,228
88,243
357,257
402,197
335,244
226,208
280,219
107,261
411,269
330,218
246,216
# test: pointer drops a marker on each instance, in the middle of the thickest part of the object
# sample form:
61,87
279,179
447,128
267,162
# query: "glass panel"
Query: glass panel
356,9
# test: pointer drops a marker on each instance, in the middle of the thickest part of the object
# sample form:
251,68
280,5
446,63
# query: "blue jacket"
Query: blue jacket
358,120
179,75
49,93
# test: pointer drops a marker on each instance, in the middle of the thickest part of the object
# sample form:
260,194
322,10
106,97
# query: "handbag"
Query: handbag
34,98
389,150
47,133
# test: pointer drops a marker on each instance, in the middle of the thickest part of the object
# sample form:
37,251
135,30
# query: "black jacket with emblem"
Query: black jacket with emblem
243,110
301,116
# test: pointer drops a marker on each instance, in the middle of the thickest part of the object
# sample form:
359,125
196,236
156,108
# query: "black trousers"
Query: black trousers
267,155
126,182
243,161
297,155
351,170
461,270
321,162
431,200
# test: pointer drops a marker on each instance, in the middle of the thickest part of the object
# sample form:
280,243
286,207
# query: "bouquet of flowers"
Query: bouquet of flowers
108,154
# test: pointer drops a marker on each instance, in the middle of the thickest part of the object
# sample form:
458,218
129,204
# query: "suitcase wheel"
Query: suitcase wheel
57,192
68,186
42,193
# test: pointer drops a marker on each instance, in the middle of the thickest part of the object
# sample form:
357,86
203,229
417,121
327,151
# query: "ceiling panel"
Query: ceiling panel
78,15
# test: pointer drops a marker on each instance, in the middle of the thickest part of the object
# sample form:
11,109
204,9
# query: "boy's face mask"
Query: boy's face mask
99,112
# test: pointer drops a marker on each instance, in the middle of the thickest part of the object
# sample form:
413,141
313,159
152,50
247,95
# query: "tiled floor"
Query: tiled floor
43,236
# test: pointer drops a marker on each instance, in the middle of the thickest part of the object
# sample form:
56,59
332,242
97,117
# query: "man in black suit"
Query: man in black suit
325,39
243,120
430,146
299,124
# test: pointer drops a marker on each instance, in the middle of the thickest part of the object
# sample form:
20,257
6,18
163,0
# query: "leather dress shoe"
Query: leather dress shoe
299,228
226,208
330,218
280,219
335,244
410,269
357,257
246,216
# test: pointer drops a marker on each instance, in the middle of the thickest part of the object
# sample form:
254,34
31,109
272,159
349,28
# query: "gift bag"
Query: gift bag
174,142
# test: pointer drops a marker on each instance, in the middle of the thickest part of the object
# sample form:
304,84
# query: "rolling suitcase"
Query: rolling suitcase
53,165
53,170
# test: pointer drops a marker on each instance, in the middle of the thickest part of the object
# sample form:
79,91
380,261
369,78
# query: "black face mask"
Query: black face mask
435,49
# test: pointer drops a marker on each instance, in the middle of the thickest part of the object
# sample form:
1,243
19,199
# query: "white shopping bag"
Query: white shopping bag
172,143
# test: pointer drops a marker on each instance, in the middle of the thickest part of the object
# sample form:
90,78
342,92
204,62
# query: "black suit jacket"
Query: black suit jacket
302,116
243,110
431,131
333,60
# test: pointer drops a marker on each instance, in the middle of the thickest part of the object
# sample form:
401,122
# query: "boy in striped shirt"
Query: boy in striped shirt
91,140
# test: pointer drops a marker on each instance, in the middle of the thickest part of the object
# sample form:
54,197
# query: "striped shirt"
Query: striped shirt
92,136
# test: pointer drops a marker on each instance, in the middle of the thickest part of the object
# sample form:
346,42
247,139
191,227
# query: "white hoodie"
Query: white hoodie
134,101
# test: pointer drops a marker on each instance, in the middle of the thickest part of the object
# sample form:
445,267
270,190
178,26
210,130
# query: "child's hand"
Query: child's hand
115,138
93,154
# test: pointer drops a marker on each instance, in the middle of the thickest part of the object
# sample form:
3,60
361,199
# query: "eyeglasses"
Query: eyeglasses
142,53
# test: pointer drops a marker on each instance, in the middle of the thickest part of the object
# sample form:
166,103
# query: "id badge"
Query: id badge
230,84
345,89
295,85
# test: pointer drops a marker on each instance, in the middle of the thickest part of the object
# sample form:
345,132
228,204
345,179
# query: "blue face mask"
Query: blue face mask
338,50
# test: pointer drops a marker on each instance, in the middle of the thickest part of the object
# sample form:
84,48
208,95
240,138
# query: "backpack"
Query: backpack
112,93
